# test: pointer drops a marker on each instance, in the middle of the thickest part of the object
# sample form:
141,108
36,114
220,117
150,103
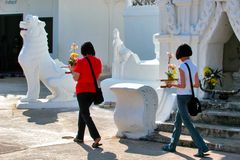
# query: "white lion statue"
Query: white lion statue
38,65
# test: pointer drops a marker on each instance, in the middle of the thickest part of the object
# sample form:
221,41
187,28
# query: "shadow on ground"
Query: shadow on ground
45,116
98,153
149,149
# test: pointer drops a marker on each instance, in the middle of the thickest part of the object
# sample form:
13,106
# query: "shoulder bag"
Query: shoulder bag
98,98
194,105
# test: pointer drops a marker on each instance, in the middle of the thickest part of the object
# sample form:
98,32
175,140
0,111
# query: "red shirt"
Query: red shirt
85,82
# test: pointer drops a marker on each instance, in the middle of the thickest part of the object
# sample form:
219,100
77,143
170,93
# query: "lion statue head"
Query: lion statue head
32,26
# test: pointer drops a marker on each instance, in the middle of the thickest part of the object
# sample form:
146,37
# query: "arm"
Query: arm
75,75
196,81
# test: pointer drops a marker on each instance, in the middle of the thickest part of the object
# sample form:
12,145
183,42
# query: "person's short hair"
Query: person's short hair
87,49
183,50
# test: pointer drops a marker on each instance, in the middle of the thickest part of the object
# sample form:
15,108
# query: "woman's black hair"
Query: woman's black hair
183,51
87,49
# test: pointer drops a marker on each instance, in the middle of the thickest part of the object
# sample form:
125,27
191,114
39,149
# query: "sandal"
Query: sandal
201,155
77,140
96,145
168,149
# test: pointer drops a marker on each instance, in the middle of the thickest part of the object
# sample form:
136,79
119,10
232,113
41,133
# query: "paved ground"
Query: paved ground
47,134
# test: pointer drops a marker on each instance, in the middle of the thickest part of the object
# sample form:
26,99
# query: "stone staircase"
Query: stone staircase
219,125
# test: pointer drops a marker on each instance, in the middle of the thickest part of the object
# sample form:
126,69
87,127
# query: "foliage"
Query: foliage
212,77
143,2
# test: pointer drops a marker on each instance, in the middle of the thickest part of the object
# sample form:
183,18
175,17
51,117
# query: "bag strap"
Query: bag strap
93,75
190,77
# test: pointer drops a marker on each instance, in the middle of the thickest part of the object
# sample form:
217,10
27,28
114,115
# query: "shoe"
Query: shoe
168,149
78,140
202,153
96,145
205,150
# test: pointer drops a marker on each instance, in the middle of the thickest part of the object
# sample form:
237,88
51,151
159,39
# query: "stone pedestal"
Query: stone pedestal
43,103
135,110
167,103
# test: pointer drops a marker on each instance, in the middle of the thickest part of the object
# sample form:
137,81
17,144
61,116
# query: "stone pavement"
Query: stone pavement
46,134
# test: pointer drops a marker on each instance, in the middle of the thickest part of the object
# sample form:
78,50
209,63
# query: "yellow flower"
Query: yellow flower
74,55
214,81
206,71
172,66
174,71
171,72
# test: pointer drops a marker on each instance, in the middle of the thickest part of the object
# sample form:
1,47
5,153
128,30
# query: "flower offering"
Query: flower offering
73,55
212,77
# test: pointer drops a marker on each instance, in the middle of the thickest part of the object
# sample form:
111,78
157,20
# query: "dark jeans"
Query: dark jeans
183,116
85,100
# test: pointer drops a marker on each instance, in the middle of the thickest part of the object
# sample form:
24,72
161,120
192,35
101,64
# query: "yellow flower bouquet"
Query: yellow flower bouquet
212,77
73,55
171,72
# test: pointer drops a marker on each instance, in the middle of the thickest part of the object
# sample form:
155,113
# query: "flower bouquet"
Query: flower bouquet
171,72
73,57
212,77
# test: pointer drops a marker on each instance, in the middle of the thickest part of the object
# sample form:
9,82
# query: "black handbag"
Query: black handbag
98,98
194,105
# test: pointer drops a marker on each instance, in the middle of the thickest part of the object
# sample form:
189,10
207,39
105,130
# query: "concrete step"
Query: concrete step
217,117
230,105
206,130
218,144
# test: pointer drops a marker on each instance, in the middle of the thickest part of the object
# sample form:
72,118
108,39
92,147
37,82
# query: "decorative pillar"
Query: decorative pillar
183,10
135,111
128,3
110,6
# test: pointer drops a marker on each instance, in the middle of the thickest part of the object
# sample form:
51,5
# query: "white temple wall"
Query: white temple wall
76,21
140,23
43,8
206,25
170,44
214,58
90,20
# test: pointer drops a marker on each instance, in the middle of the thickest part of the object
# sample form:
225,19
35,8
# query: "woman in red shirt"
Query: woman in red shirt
85,90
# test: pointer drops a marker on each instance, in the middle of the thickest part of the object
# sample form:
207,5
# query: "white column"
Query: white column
110,6
128,3
183,10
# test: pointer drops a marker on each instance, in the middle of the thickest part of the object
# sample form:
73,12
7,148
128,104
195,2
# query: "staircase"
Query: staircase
218,124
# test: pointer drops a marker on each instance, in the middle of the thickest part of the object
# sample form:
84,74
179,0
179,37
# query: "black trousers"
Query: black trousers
85,100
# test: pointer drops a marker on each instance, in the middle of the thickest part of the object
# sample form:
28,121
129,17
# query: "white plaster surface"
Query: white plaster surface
167,103
201,24
45,103
38,66
135,109
127,67
140,23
